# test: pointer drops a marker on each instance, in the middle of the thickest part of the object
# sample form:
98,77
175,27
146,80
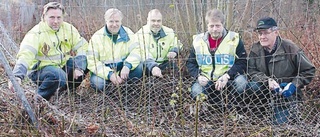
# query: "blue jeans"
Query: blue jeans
99,83
50,78
283,110
168,64
234,87
237,85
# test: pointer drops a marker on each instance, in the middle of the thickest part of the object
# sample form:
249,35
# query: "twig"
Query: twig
2,82
18,89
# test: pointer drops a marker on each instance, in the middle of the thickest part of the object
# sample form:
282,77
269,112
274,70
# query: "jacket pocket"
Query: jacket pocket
281,66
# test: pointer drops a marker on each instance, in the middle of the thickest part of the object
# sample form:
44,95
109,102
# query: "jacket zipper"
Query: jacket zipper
59,47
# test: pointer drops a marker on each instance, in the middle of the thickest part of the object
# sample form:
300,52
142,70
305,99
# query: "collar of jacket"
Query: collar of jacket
206,35
275,46
161,32
122,34
279,48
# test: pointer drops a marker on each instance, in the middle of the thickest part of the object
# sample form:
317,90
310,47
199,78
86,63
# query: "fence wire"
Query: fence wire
161,106
158,107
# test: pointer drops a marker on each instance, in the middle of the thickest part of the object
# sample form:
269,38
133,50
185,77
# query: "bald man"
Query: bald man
160,44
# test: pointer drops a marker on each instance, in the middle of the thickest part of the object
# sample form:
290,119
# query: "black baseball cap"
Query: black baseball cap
266,23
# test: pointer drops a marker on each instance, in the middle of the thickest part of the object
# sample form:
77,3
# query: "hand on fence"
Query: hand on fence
156,71
171,55
10,85
279,89
222,82
288,90
77,73
273,84
115,79
203,81
124,74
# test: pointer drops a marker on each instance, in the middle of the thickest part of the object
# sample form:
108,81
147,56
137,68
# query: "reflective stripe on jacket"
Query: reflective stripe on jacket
43,46
158,51
224,57
104,54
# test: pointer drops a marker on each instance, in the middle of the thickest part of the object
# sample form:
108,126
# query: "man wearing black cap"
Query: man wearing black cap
278,69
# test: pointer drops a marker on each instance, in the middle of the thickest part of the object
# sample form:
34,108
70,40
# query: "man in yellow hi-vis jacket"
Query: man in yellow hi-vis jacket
217,60
113,53
159,42
53,52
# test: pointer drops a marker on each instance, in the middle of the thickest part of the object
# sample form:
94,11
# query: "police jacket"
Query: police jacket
230,57
287,64
106,56
43,46
157,48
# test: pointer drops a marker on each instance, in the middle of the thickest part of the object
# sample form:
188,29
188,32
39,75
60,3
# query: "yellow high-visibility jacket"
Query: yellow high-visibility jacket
104,55
158,51
224,56
43,46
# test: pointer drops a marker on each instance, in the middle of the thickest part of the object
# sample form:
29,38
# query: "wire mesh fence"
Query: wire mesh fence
155,107
162,106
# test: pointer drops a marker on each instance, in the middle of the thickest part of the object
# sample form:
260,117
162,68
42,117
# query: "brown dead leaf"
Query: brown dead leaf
92,128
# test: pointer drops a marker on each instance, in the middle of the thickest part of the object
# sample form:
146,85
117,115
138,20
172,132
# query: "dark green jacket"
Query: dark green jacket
287,64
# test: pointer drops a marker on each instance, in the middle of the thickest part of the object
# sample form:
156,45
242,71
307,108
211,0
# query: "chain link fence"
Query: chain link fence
161,106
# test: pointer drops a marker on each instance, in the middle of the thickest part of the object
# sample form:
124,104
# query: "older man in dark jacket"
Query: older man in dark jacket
278,69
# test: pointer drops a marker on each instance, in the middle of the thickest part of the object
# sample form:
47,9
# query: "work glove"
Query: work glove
124,74
115,79
171,55
222,82
203,81
273,84
156,71
10,85
279,89
77,73
288,90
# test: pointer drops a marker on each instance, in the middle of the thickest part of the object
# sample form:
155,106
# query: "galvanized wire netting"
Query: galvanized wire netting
153,106
160,106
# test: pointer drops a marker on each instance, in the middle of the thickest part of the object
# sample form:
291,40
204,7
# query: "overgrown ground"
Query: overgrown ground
153,107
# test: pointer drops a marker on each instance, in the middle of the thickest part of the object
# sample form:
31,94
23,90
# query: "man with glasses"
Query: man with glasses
53,52
278,69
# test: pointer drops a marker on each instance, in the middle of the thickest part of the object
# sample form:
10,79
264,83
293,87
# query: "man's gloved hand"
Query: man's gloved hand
273,84
115,79
279,89
203,81
282,85
171,55
77,73
10,85
222,82
156,71
288,90
124,74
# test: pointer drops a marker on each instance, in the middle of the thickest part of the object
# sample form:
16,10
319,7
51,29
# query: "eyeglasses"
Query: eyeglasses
265,32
